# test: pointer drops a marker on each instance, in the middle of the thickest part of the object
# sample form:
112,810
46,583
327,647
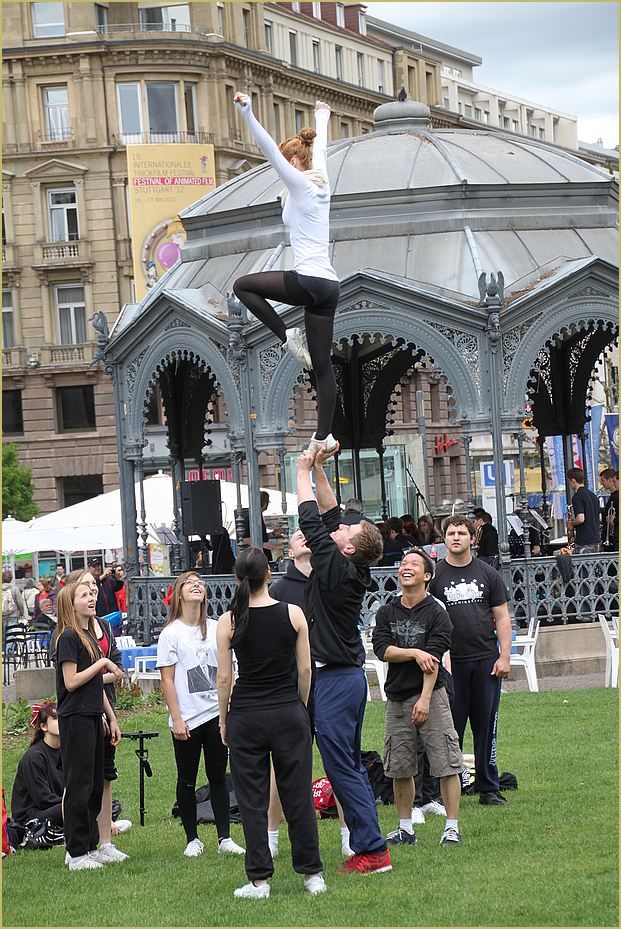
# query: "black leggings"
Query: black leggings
319,298
188,756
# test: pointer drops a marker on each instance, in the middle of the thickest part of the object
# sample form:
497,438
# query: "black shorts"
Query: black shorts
110,771
318,295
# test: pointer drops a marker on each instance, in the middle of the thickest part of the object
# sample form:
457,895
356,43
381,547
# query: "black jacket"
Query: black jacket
290,588
334,592
106,598
38,782
488,543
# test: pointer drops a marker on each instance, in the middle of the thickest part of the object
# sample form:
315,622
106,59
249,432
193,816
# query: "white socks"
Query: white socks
406,825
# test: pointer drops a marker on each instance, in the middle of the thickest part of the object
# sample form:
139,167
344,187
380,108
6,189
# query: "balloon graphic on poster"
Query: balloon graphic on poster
161,249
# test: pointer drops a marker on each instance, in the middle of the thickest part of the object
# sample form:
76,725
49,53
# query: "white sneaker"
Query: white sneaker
346,851
295,345
194,848
67,857
252,890
112,853
97,855
84,863
329,441
315,884
273,850
418,817
434,807
228,845
123,825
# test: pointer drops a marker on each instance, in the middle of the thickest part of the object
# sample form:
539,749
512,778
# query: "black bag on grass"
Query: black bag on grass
380,784
204,810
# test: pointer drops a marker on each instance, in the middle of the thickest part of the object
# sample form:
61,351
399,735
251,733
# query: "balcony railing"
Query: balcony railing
67,354
45,355
169,28
235,135
52,252
56,138
161,138
9,256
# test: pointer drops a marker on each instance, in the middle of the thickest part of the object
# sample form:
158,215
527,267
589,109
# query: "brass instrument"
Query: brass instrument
477,537
610,522
569,529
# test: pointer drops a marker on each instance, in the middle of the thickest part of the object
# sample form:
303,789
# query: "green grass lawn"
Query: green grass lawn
551,858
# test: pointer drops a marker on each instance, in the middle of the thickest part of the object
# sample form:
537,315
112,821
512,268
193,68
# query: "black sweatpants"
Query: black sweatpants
53,814
82,752
477,697
285,733
188,755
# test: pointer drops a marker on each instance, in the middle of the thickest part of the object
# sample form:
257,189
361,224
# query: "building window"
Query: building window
71,314
3,223
79,488
516,127
299,121
340,15
63,215
317,10
412,83
431,97
434,396
162,107
8,334
277,123
56,109
506,122
380,75
295,7
447,103
477,113
75,408
460,108
542,133
48,19
189,99
246,18
360,59
101,17
316,57
532,131
173,18
344,131
130,111
221,19
486,115
468,110
293,48
268,37
362,22
338,52
12,414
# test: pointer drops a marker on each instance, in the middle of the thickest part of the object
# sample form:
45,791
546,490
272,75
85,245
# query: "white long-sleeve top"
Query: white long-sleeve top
307,208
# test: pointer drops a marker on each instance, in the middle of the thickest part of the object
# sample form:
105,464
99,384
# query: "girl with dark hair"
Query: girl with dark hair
187,659
38,787
266,715
301,163
81,705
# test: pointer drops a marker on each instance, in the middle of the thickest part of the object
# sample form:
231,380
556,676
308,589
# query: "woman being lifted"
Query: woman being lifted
301,164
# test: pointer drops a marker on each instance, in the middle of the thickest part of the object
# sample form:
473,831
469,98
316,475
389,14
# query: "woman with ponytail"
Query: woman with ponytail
38,787
301,163
187,659
81,705
266,715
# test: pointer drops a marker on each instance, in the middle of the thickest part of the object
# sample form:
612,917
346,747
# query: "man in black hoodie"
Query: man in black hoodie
340,559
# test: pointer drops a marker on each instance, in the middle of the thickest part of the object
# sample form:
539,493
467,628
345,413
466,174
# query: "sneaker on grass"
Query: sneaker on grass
123,825
418,817
401,837
228,845
84,863
434,807
315,884
252,890
450,836
194,848
111,853
366,863
493,798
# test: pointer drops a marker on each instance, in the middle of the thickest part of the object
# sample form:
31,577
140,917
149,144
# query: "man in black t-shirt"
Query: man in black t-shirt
585,520
476,601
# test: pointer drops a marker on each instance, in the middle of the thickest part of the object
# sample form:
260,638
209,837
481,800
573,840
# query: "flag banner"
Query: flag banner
554,445
592,430
612,425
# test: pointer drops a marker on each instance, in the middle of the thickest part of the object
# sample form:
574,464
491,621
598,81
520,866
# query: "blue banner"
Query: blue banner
612,425
592,430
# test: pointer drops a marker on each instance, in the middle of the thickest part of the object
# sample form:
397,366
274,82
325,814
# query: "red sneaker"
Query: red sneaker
367,863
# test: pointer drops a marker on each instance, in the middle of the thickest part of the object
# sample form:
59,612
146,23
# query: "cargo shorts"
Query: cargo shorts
437,732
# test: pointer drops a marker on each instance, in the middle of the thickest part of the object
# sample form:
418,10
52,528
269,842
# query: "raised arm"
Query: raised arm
294,180
325,495
320,145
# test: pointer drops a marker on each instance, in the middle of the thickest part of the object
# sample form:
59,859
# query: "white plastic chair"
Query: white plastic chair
525,658
611,638
142,673
372,663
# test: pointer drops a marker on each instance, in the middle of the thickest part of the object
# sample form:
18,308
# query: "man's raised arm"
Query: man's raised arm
303,466
325,495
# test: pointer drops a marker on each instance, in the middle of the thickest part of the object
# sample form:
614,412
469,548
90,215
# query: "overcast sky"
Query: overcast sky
563,55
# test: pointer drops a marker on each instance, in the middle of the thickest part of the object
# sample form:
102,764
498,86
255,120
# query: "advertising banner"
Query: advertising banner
163,179
592,430
612,425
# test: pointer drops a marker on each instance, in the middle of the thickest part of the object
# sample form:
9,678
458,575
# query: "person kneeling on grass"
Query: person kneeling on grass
412,632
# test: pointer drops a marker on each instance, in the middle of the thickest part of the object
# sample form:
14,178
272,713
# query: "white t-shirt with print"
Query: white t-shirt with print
196,666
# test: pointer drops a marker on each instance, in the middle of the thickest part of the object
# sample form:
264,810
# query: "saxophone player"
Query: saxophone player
610,520
585,520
